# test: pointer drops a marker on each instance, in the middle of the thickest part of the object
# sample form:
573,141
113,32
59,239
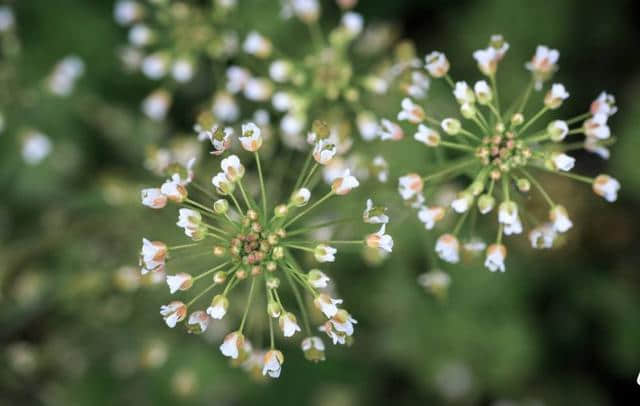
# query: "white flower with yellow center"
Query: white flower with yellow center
411,112
180,281
232,168
288,324
437,64
380,240
427,136
448,248
345,183
153,198
325,253
429,216
327,304
251,138
173,313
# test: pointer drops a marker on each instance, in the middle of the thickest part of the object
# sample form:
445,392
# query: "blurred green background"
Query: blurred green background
560,327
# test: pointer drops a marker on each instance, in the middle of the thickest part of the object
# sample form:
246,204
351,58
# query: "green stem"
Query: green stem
177,247
303,309
298,247
199,295
235,202
244,194
200,206
578,118
262,189
533,119
539,187
316,226
210,271
313,206
246,310
453,145
584,179
450,169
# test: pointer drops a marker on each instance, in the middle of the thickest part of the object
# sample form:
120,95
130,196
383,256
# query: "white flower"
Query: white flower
494,261
513,228
462,203
343,322
313,348
419,85
380,240
483,92
156,104
507,213
430,215
191,221
592,144
317,278
237,78
554,97
605,104
140,35
258,89
336,337
543,64
607,187
232,344
374,214
380,168
173,189
447,248
411,112
596,127
35,147
220,139
125,12
324,151
289,324
180,281
487,60
435,281
182,70
563,162
301,197
173,313
367,125
273,361
198,322
463,93
153,198
232,167
451,126
225,107
257,45
282,101
218,307
558,130
542,236
223,185
560,219
390,131
410,185
427,136
437,64
327,304
62,80
325,253
353,23
280,70
155,66
153,255
251,139
345,183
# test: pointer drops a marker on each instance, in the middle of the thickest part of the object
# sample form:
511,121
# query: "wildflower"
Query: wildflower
280,70
313,349
257,45
223,185
605,105
220,139
390,131
289,324
232,168
542,236
301,197
325,253
126,12
182,70
411,112
563,162
463,202
380,240
273,361
596,127
410,185
218,307
427,136
353,23
198,322
436,281
327,305
558,130
35,147
367,125
419,85
607,187
380,168
173,189
317,278
483,92
451,126
156,105
258,89
153,255
324,151
237,78
232,345
343,322
560,219
496,253
225,107
374,214
554,98
251,138
345,183
180,281
173,313
543,64
448,248
431,215
437,64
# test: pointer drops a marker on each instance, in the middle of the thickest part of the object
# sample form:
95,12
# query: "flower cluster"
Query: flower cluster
169,39
501,151
248,240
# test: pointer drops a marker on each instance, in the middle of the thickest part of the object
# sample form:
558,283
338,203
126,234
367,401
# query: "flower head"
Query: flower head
494,261
251,138
173,313
273,361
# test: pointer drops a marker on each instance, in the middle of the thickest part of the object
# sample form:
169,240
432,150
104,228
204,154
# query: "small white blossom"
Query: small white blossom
554,98
125,12
563,162
257,45
436,281
180,281
607,187
419,86
463,93
374,214
198,322
496,254
343,322
345,183
155,66
605,104
560,219
353,23
558,130
483,92
173,189
232,344
596,127
427,136
411,112
410,185
325,253
182,70
191,221
173,313
327,304
429,216
273,361
225,107
301,197
313,349
223,185
437,64
542,236
280,70
218,307
507,213
140,35
232,168
35,147
152,256
258,89
153,198
289,324
390,131
237,78
592,144
324,151
448,248
380,240
251,138
462,203
543,64
367,125
156,104
380,168
317,279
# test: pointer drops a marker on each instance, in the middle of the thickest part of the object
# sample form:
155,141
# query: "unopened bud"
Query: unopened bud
451,126
486,203
221,206
281,210
517,119
278,253
523,185
218,250
219,277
